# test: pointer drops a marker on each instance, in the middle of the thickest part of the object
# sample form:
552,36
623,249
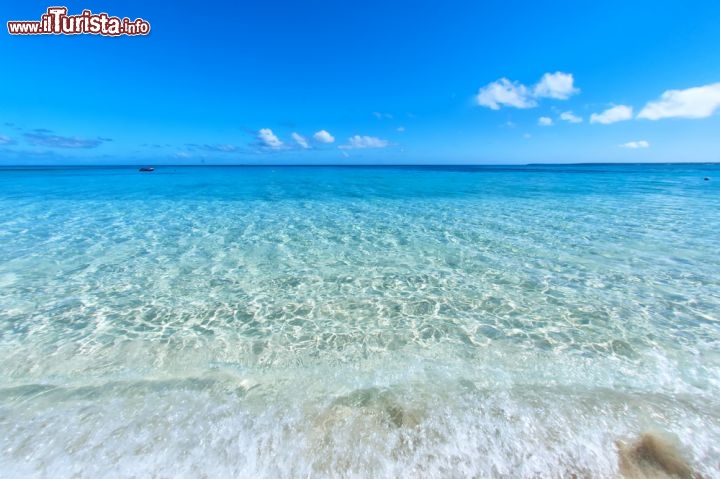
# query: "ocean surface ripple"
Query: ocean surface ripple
358,322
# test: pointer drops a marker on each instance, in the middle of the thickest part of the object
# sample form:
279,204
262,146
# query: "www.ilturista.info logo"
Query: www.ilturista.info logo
57,22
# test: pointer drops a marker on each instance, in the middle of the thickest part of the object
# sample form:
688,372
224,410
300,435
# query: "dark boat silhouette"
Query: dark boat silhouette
144,169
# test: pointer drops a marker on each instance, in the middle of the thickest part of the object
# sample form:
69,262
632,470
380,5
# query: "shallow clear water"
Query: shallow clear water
356,322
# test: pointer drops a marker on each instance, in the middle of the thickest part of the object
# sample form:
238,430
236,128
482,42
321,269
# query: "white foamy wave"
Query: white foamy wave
419,419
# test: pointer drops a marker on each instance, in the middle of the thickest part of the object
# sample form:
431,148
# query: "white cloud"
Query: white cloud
324,137
380,115
635,144
697,102
545,121
300,140
5,140
611,115
268,138
570,117
358,141
527,136
504,93
400,129
556,85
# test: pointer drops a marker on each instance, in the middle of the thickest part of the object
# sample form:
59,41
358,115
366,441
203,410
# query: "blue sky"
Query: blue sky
367,82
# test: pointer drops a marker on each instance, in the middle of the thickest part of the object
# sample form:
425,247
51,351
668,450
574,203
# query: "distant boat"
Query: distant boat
147,169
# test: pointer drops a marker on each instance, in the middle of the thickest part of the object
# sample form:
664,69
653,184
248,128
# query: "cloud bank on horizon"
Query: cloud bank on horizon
693,103
690,103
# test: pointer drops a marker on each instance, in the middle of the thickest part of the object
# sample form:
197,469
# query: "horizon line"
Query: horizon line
346,165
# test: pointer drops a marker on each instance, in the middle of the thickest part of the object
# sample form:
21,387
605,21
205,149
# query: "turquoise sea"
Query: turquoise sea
512,322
